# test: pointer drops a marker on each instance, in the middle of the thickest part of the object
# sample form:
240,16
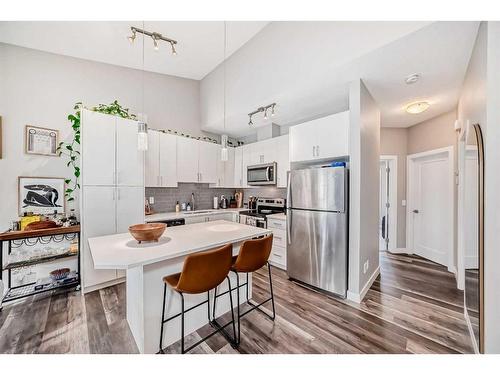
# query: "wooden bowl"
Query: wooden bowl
147,232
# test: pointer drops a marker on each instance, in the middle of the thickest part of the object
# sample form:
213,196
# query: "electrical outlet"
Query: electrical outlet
366,266
151,200
403,203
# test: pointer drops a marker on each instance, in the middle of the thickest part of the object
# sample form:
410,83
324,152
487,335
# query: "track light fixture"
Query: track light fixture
262,109
153,35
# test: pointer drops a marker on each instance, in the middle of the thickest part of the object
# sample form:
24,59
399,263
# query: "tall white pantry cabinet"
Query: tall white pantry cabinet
112,186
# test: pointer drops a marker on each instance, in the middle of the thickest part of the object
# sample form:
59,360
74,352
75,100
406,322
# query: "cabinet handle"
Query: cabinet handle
118,191
317,150
158,180
314,151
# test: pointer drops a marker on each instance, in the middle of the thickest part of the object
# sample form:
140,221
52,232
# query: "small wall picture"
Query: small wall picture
41,195
41,141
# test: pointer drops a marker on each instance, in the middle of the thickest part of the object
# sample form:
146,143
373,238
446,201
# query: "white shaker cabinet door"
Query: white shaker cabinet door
129,160
283,160
152,172
187,159
238,165
98,219
209,156
129,207
247,160
98,148
168,160
229,169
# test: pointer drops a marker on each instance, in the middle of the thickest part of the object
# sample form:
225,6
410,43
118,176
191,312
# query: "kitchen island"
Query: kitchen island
147,263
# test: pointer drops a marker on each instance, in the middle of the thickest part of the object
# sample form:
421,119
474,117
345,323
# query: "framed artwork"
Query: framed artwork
41,195
41,141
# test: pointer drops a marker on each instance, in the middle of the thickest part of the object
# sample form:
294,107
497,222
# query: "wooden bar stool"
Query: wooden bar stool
253,255
201,272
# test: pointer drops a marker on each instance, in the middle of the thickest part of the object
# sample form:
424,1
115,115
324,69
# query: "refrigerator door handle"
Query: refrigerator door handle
288,226
288,190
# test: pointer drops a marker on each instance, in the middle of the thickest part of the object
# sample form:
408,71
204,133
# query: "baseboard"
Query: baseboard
471,331
358,297
103,285
400,250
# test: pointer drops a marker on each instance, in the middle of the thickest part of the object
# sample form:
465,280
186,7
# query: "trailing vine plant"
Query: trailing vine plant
71,149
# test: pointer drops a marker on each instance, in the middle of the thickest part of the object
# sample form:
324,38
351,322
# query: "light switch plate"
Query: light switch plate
403,203
151,200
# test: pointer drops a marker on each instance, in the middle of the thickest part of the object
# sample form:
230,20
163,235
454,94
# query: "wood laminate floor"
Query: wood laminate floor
413,307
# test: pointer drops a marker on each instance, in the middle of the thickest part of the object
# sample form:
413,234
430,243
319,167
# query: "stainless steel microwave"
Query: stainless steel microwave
262,174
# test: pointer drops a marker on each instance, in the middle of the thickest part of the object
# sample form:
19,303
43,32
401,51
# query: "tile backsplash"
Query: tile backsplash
166,198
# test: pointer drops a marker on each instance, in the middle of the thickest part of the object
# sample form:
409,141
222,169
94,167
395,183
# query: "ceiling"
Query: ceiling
305,67
309,77
200,44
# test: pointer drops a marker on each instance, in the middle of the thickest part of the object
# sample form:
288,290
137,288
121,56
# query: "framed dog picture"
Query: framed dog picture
41,195
41,141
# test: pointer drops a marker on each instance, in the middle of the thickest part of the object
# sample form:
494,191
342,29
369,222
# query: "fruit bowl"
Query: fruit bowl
147,232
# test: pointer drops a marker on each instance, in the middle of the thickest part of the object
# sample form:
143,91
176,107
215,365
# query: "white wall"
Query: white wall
364,154
39,88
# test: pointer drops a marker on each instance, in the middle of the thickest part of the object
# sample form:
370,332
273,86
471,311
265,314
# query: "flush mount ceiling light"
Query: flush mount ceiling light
412,78
153,35
417,107
262,109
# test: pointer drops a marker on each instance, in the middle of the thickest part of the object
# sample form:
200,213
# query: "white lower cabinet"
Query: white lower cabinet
98,219
278,252
107,210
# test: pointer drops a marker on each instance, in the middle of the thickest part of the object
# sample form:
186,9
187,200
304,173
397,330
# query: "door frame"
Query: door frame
451,194
393,200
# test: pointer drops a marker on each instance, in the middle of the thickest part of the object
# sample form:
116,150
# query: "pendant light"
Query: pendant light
224,150
142,127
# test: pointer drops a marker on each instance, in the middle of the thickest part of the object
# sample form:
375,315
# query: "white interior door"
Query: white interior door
430,206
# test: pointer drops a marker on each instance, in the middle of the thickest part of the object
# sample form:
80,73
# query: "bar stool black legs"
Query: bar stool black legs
212,320
239,314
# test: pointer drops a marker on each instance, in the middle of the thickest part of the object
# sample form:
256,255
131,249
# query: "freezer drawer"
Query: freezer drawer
317,249
321,189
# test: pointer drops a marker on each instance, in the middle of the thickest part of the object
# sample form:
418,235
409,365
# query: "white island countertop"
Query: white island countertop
121,251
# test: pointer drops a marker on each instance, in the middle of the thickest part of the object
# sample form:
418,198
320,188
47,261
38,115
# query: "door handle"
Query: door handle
415,211
288,225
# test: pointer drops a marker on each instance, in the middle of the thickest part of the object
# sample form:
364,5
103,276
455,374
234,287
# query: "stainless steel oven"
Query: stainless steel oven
262,174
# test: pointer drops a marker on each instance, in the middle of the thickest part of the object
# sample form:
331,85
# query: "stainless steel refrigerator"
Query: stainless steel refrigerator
317,228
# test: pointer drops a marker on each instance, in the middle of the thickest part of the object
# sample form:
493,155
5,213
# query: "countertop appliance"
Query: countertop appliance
262,174
317,228
223,202
264,207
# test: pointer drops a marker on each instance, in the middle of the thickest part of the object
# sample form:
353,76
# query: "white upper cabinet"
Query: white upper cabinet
323,138
98,148
209,154
263,152
246,161
168,160
283,160
238,167
229,180
129,160
152,174
187,159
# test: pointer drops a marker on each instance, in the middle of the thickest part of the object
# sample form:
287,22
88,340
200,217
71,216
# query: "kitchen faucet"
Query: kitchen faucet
192,201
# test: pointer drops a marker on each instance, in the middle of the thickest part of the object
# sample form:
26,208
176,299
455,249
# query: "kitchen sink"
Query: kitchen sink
197,212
